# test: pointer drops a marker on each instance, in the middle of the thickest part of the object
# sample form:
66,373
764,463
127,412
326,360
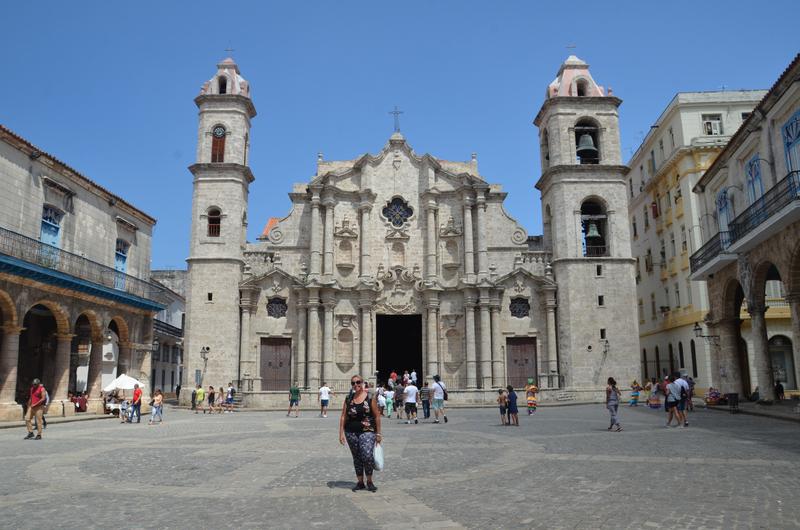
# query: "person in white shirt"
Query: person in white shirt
438,399
410,398
325,394
414,376
684,384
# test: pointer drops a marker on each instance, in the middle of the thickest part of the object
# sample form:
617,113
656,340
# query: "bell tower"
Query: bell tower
584,211
219,223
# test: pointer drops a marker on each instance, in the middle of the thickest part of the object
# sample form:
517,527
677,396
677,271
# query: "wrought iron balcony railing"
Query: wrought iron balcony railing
32,251
595,251
167,329
775,199
710,250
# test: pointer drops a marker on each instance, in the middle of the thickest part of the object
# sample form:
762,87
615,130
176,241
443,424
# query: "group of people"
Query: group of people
507,402
214,400
677,392
404,398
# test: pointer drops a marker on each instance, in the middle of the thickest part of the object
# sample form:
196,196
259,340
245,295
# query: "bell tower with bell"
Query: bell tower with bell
584,213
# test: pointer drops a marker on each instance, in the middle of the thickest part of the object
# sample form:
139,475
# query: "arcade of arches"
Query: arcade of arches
70,343
754,321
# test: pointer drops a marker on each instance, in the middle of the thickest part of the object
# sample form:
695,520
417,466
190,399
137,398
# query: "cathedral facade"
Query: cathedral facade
399,261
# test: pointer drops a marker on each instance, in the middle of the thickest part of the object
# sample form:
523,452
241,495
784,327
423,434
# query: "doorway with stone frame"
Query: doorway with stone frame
398,346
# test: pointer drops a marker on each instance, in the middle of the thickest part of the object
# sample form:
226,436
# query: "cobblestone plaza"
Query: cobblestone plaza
559,469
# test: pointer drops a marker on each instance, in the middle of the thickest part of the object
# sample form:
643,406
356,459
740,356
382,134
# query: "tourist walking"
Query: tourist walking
194,399
399,392
425,399
157,406
381,400
612,404
690,402
210,396
511,408
439,396
635,389
136,404
653,401
673,394
219,401
360,428
324,398
229,398
178,393
413,376
410,398
200,395
502,403
294,400
389,394
530,396
36,404
685,392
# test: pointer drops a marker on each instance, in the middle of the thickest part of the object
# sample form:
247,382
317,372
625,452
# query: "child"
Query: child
501,402
530,396
389,400
635,389
381,402
513,411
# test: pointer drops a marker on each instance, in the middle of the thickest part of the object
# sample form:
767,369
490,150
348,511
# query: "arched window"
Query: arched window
451,249
218,134
658,363
755,188
694,358
214,222
680,356
671,359
587,136
277,307
594,226
581,88
51,226
223,84
725,213
545,149
644,362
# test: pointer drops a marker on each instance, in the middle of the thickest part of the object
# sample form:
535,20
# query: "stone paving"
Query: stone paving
559,469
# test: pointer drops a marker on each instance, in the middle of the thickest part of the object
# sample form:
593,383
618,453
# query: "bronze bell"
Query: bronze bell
593,232
586,148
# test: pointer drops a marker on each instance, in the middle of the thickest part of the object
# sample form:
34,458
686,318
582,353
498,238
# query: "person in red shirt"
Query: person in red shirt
36,403
136,404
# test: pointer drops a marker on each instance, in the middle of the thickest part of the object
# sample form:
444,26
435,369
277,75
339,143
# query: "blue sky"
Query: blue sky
108,87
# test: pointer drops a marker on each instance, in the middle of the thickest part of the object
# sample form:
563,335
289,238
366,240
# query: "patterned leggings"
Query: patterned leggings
362,445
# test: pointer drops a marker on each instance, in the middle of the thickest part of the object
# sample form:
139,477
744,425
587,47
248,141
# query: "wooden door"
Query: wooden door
275,363
520,361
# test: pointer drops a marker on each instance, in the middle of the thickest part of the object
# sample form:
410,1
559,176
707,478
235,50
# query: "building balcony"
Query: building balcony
166,329
713,256
23,256
768,215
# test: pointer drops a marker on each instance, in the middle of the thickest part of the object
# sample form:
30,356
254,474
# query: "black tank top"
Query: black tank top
359,416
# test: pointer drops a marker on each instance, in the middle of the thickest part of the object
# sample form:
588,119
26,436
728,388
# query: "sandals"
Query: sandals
372,487
359,486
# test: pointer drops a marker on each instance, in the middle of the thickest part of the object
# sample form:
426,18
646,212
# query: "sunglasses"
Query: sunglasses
357,382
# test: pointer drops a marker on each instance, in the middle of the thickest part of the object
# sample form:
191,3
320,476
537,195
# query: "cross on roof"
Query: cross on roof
229,50
397,112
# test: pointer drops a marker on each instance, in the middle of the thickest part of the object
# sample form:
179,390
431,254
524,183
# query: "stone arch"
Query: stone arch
95,322
59,313
122,328
8,311
732,298
584,126
594,227
792,279
765,271
345,346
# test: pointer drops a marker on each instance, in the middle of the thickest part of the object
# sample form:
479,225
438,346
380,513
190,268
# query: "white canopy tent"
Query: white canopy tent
123,382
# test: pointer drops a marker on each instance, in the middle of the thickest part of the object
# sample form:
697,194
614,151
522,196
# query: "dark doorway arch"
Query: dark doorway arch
37,350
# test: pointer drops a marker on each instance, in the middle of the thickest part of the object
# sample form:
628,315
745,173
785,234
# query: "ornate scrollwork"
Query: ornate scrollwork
519,236
275,236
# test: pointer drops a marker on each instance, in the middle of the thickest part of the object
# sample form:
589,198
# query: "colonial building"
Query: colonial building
399,260
666,225
167,365
748,199
76,303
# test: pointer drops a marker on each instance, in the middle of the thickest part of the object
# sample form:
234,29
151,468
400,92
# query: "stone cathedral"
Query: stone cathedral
397,261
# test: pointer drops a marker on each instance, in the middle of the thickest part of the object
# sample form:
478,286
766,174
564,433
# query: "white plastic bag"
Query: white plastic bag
377,456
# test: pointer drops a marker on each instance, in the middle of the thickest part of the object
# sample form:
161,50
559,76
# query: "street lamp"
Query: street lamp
204,352
698,332
156,344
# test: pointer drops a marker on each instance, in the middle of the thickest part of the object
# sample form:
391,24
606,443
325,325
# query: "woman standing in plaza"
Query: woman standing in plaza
158,403
360,428
513,411
612,403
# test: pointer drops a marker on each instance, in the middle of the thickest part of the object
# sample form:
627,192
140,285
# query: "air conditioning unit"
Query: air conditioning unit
664,309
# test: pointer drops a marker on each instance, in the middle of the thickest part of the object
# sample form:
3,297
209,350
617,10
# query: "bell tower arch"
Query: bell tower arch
583,190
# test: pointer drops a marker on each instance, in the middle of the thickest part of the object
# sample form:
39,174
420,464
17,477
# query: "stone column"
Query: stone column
314,349
248,359
469,255
762,364
430,231
299,373
483,256
498,373
794,307
9,359
363,247
365,362
485,352
316,243
327,271
469,324
552,348
61,367
145,369
726,374
94,381
124,358
433,337
327,347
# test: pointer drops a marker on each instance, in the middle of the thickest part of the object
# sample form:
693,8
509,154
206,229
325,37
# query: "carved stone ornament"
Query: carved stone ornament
397,212
346,230
450,229
277,307
450,321
277,285
275,235
519,236
519,285
399,288
520,307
